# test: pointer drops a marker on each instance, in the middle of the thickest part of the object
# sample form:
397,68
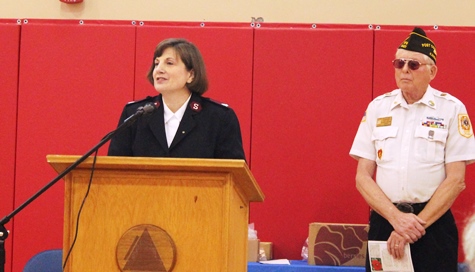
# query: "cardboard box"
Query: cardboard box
337,244
253,250
266,248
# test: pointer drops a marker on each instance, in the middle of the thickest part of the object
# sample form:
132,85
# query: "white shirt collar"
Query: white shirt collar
168,114
427,99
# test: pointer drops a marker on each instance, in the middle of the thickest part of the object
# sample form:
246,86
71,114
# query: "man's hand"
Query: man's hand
396,245
409,226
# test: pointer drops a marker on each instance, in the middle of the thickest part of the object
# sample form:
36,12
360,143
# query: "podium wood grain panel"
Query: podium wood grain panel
202,204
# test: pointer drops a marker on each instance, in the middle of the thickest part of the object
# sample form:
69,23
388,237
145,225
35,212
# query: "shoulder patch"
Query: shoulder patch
364,118
465,127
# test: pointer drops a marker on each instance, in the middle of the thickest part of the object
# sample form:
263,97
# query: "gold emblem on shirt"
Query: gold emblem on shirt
384,121
465,127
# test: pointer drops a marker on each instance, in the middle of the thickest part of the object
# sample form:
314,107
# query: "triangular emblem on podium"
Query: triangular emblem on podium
143,255
146,248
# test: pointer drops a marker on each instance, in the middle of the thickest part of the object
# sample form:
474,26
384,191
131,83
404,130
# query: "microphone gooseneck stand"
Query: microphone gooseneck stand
145,110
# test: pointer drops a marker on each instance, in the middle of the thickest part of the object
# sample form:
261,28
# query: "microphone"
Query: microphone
148,109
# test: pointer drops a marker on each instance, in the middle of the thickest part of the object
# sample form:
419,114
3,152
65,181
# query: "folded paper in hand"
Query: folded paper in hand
381,260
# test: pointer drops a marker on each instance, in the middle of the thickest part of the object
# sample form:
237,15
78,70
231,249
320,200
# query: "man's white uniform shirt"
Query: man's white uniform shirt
412,143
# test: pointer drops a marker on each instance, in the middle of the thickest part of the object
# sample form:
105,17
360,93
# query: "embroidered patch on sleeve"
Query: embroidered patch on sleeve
364,118
465,128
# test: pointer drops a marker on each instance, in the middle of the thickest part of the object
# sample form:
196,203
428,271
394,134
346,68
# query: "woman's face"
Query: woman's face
170,73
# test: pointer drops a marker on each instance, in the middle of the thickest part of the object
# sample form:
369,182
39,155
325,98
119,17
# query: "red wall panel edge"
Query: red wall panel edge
10,40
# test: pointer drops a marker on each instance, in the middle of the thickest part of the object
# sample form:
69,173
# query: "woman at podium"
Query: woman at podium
182,122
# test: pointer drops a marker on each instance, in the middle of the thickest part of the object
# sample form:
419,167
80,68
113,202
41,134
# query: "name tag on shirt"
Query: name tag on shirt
384,121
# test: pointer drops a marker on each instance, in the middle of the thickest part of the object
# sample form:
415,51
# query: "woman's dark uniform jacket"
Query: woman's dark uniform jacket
207,130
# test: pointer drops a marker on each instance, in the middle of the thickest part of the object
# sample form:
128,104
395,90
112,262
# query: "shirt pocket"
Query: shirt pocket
384,139
430,144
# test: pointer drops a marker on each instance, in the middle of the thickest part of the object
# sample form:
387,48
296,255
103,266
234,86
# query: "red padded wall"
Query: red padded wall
227,52
311,87
74,81
10,41
454,59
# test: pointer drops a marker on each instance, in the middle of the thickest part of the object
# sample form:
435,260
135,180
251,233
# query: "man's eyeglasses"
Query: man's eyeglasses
412,64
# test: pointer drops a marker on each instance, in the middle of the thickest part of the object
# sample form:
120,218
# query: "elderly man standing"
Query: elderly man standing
418,141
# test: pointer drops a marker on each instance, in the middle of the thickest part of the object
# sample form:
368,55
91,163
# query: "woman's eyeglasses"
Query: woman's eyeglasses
412,64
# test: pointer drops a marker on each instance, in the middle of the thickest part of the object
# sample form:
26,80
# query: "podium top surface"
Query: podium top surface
238,168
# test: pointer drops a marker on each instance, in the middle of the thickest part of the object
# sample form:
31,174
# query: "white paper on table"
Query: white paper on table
277,261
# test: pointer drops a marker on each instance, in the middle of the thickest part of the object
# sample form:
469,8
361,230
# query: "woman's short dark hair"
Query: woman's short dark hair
190,56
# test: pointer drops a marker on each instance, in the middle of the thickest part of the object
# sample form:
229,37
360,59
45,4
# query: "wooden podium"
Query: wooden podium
157,214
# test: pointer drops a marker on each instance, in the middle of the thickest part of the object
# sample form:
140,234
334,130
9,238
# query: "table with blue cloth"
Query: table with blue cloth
300,266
